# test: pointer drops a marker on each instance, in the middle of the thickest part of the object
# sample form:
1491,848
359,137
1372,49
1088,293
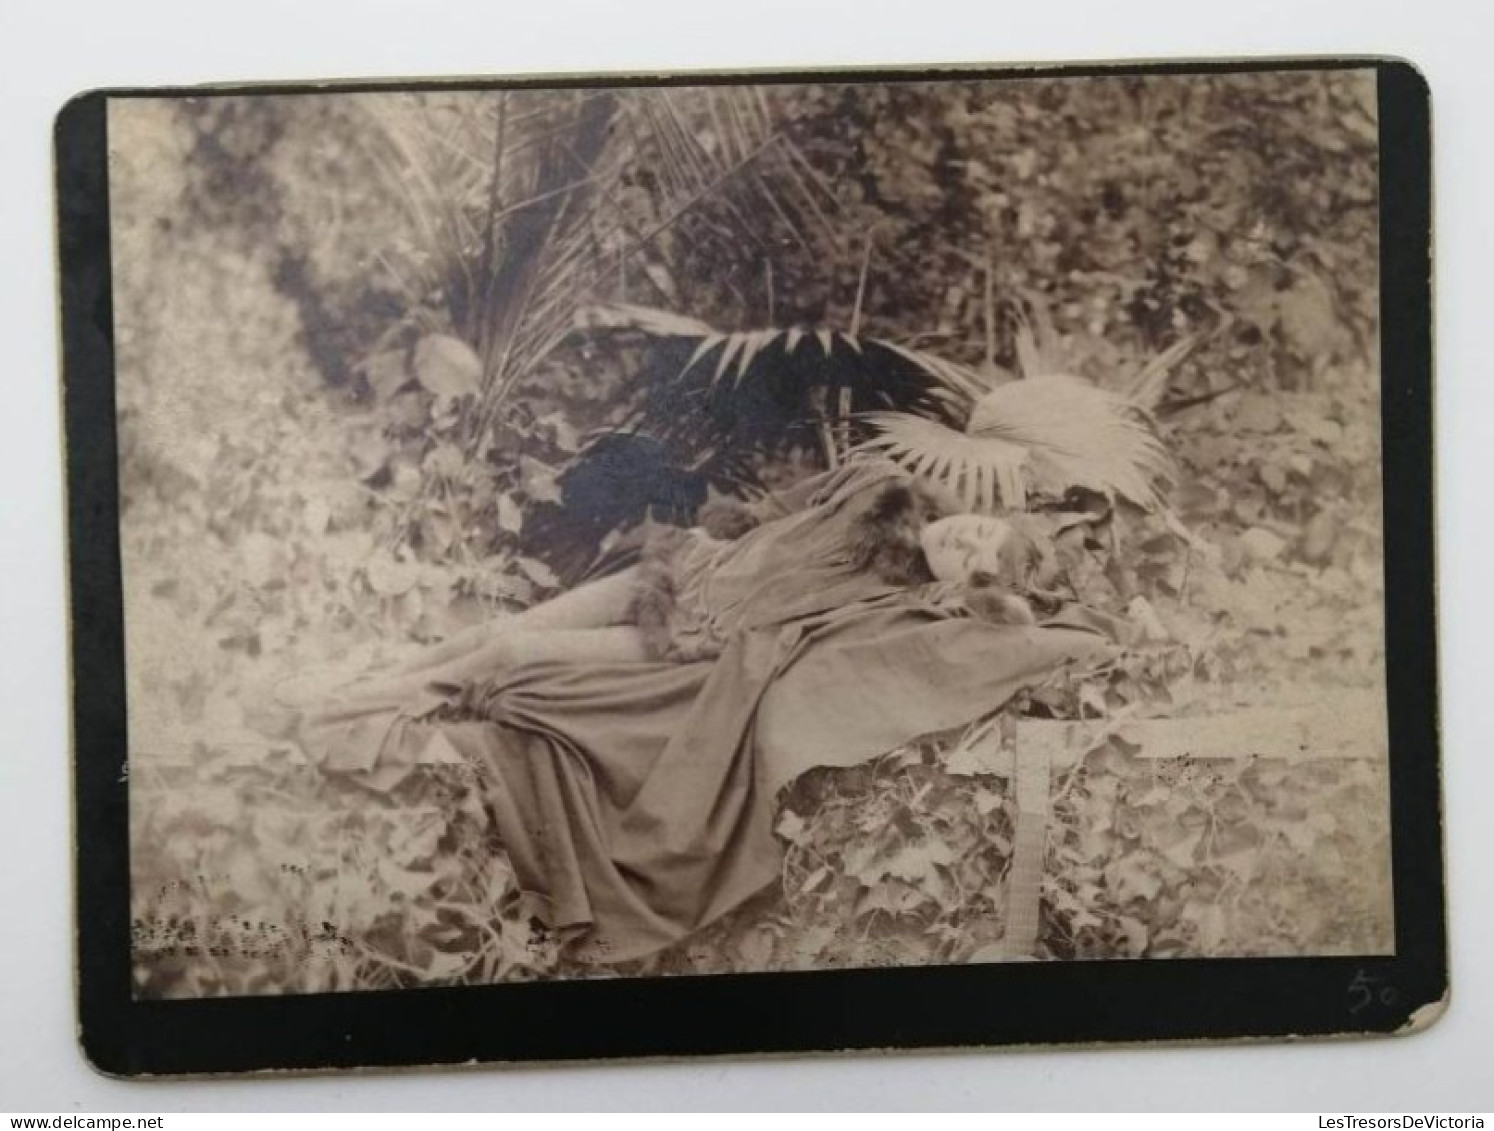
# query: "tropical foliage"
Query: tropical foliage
364,341
763,390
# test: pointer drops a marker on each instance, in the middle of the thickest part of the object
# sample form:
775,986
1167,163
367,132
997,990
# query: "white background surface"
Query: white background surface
50,51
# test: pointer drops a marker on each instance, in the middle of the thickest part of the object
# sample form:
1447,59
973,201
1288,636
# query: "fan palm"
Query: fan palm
1044,432
524,205
1043,435
708,394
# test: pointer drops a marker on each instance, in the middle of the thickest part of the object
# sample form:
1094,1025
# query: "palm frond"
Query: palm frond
1149,386
956,384
628,316
1079,435
518,212
984,472
523,207
1030,359
774,388
960,380
1039,347
708,390
1042,436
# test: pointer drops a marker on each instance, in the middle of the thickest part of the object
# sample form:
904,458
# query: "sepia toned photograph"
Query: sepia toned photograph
643,531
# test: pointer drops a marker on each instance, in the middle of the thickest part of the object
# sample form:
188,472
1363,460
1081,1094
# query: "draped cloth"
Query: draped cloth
638,798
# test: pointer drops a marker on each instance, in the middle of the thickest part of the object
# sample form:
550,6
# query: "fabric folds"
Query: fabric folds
638,798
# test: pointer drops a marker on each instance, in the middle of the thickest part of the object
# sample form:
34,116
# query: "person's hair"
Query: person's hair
991,601
884,538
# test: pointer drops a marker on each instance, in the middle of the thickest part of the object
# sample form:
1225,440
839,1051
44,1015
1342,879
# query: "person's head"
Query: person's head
961,547
911,534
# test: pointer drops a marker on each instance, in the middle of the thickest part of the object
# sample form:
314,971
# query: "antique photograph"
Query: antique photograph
649,530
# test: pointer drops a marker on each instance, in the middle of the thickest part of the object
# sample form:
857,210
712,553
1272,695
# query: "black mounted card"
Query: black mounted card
655,567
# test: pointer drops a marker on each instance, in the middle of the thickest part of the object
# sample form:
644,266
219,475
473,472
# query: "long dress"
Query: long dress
637,799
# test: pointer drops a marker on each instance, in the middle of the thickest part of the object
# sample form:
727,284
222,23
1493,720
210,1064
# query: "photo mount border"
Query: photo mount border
924,1007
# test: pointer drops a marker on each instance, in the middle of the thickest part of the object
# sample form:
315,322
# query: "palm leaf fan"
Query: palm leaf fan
1037,436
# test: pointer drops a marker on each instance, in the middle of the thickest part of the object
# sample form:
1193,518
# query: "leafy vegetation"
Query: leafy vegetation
363,340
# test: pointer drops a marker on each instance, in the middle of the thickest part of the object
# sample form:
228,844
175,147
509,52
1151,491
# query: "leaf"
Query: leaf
894,897
753,343
647,319
409,412
317,515
1274,477
756,949
1261,545
405,481
1128,879
264,560
988,801
1307,316
960,379
369,452
1079,435
707,344
540,482
445,459
991,952
499,880
402,881
1157,794
447,367
391,578
1319,538
990,758
734,344
814,879
1150,385
1210,922
811,944
1329,433
415,836
510,516
1136,935
1149,627
1048,435
984,472
1240,863
386,373
1093,699
538,572
1030,359
1302,464
1258,413
565,436
916,860
791,827
1302,835
446,964
1183,850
